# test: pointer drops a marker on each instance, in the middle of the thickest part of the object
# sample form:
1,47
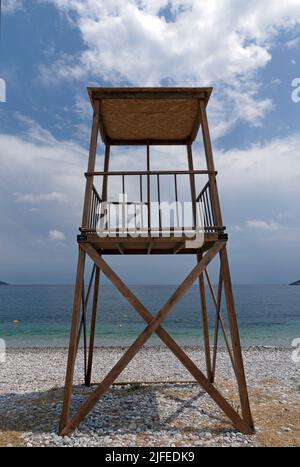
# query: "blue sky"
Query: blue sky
52,49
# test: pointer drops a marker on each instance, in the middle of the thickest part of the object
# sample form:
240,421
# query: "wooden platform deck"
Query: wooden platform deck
151,245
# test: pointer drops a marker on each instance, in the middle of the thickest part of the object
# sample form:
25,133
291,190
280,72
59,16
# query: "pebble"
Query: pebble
177,414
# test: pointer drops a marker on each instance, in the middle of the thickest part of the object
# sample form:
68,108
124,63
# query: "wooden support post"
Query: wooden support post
85,304
210,166
235,340
93,328
192,182
105,169
84,328
148,188
205,323
219,319
80,273
217,302
73,341
102,129
91,168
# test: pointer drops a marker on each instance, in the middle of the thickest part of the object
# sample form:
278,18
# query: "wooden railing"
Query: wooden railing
204,201
202,204
94,210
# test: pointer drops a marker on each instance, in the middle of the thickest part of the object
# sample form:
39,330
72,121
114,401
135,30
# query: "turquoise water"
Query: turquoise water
268,315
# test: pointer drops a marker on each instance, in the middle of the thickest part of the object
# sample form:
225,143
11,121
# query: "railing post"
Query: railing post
141,201
148,188
124,207
105,169
192,181
91,168
176,200
92,210
158,199
105,179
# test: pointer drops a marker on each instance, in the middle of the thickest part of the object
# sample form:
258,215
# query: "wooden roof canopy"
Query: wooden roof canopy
149,115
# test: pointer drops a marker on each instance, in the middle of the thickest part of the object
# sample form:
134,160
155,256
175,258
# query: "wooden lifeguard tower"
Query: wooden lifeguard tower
153,116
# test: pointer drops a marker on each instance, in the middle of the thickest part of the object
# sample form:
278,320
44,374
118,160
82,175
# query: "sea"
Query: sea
39,315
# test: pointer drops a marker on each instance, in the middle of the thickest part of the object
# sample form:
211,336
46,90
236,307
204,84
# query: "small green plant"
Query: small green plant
298,387
135,387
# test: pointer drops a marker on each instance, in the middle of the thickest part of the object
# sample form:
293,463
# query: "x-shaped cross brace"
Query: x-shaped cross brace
153,325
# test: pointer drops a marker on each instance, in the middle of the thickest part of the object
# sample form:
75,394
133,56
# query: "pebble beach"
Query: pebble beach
156,402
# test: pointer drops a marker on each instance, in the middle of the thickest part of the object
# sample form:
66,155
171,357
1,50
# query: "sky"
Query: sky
51,50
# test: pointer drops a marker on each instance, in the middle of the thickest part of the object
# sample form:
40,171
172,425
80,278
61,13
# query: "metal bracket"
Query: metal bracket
223,236
82,238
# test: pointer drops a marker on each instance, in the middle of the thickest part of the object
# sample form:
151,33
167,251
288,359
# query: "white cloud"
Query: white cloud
2,90
38,169
292,44
82,107
272,166
40,198
271,225
45,171
263,225
200,43
276,82
34,132
57,236
10,6
257,188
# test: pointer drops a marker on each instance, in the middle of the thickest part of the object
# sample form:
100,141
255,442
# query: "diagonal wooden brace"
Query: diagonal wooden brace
154,326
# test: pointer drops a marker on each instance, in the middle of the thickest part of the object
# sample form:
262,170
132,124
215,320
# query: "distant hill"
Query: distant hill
295,283
3,283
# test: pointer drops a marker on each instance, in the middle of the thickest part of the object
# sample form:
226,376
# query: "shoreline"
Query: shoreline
200,347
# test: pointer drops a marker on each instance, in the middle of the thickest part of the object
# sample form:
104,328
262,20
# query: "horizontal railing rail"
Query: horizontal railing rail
151,172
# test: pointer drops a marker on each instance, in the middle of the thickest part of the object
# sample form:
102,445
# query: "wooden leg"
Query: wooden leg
235,339
205,323
73,341
218,320
93,328
217,302
84,330
85,306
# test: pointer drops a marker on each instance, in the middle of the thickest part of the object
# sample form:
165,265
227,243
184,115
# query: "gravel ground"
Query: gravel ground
171,411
